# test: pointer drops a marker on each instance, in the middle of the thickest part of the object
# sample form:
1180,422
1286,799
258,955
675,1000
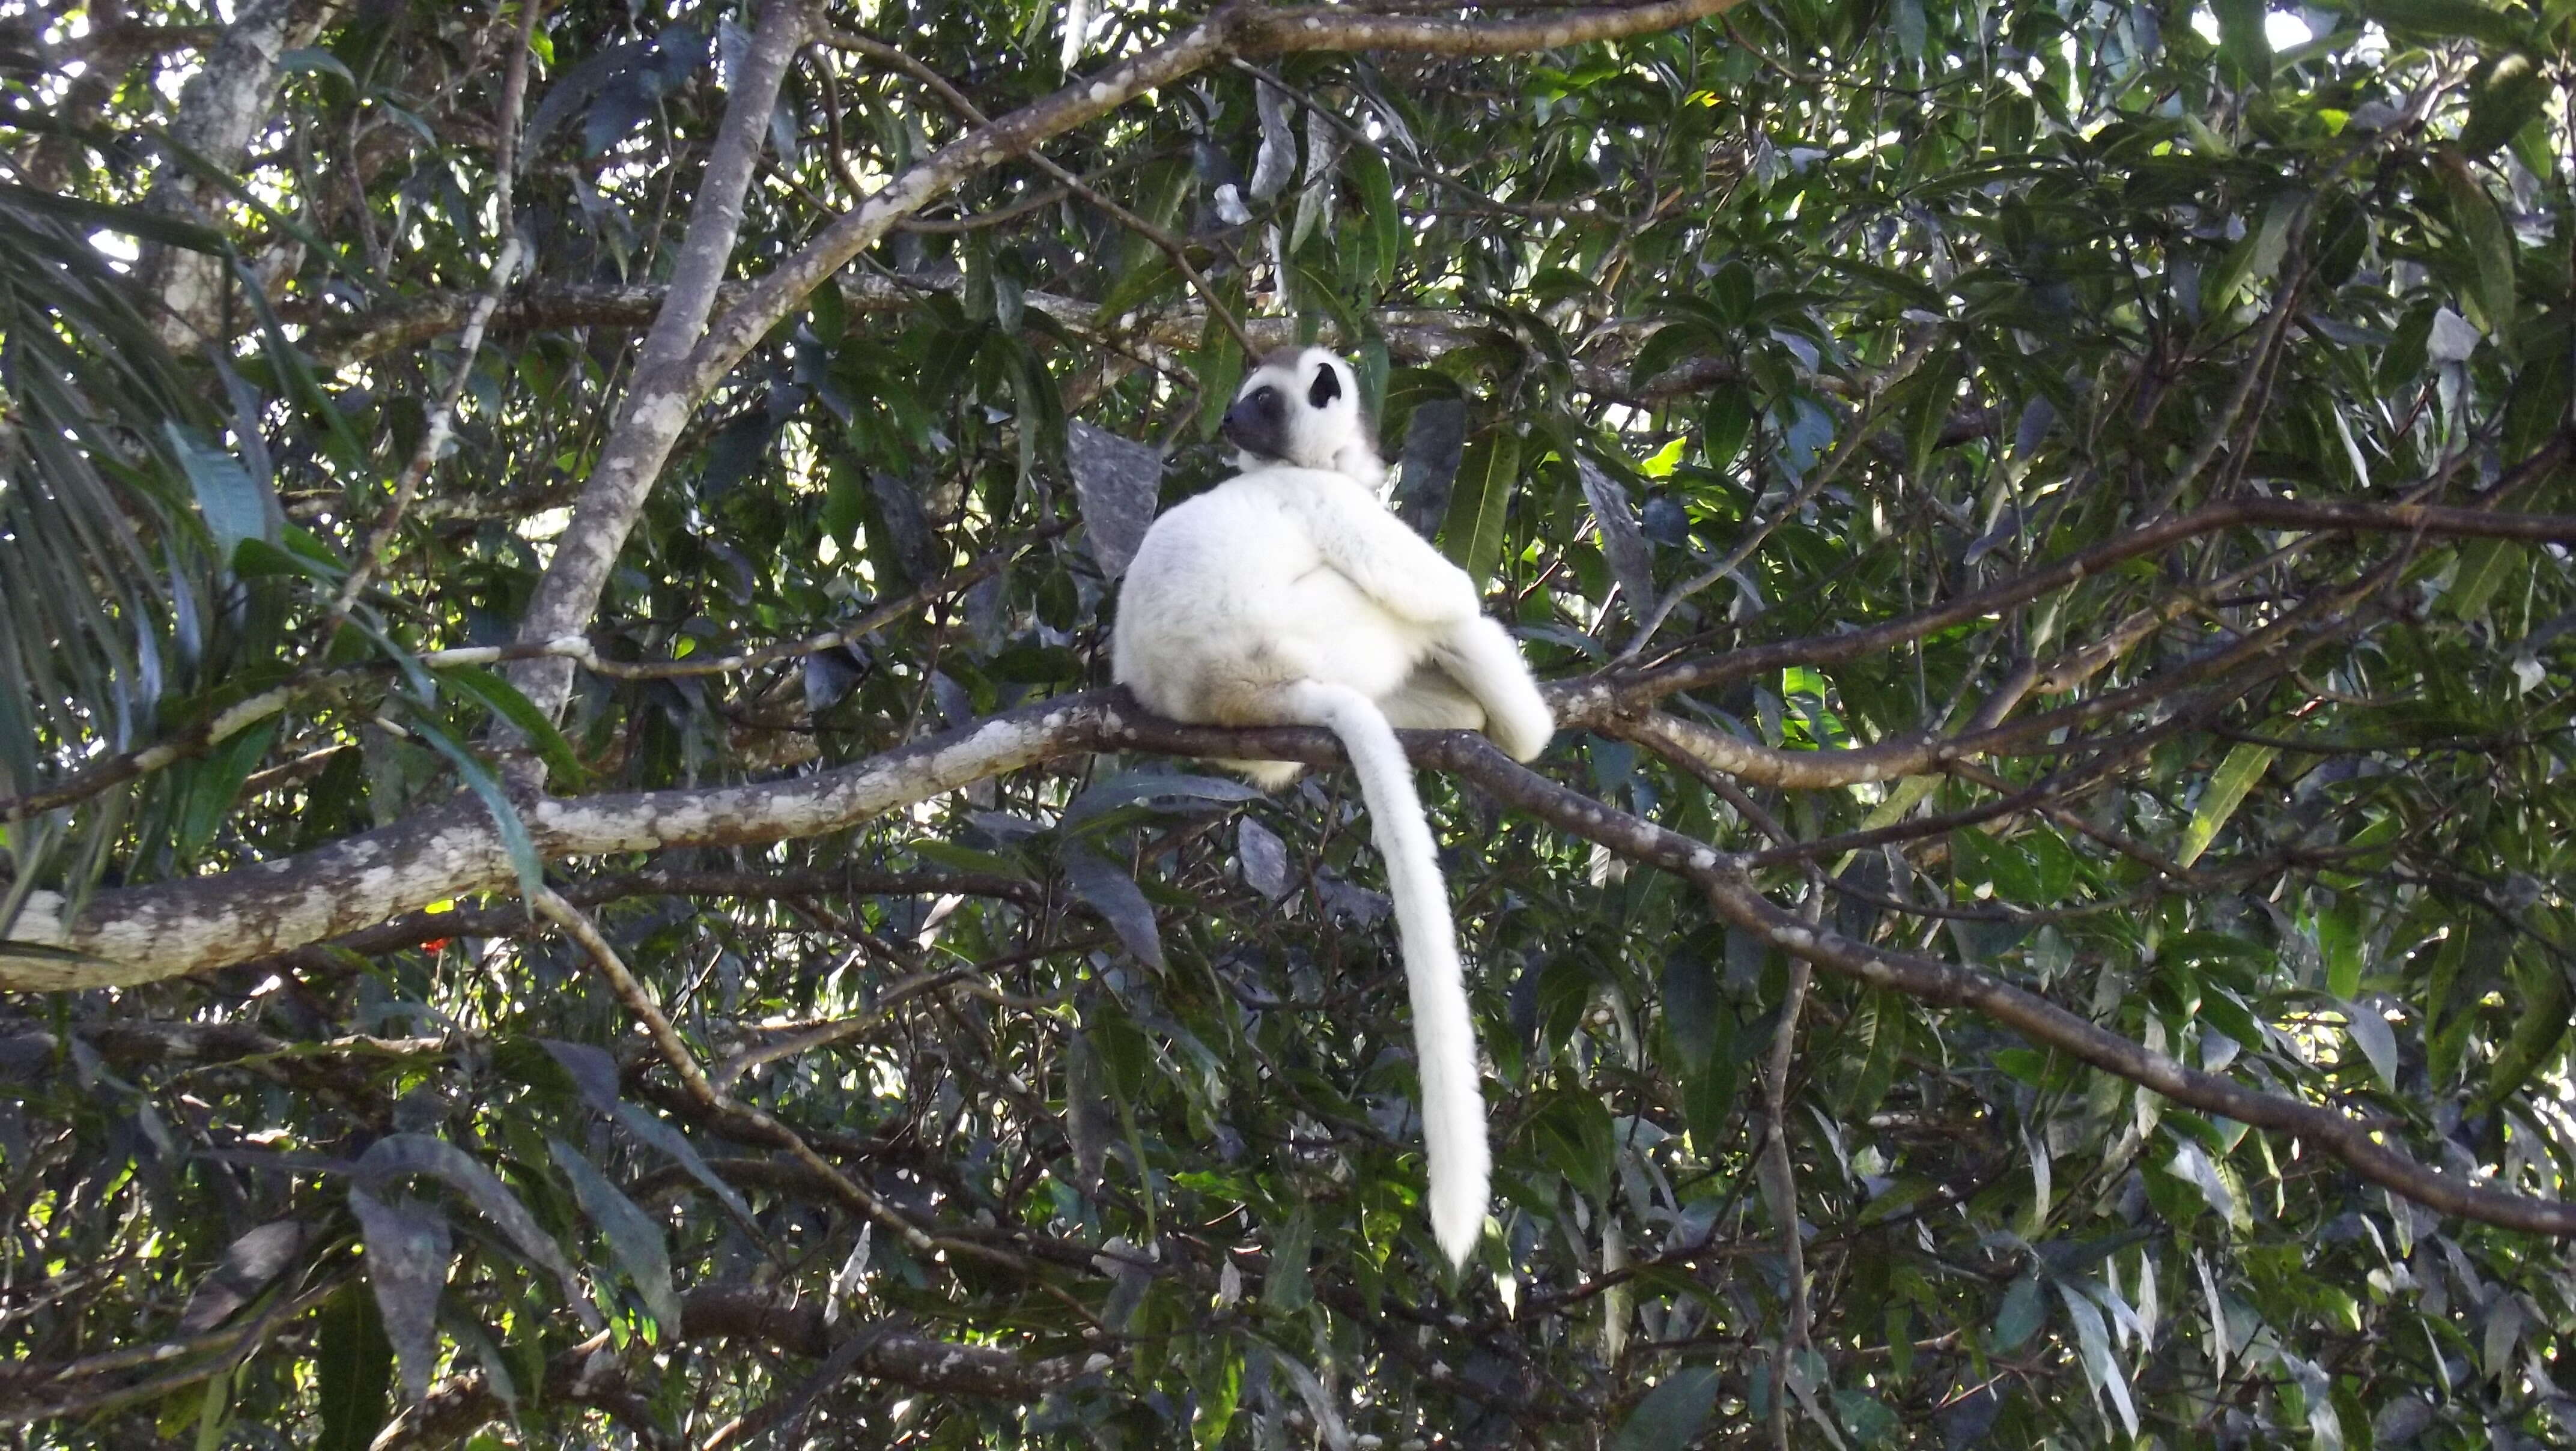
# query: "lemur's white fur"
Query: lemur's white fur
1288,595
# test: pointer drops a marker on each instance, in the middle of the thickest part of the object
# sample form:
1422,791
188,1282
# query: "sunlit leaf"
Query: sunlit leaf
2234,777
1472,533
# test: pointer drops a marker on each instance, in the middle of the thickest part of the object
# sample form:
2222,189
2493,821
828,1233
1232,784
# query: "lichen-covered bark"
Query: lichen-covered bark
144,934
221,109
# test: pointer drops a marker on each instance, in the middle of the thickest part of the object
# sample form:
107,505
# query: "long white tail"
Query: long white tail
1444,1036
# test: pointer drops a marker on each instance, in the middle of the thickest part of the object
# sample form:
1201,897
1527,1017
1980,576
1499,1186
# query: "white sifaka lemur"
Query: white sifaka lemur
1288,595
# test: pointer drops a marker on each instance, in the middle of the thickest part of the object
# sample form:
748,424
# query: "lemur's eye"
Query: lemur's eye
1264,393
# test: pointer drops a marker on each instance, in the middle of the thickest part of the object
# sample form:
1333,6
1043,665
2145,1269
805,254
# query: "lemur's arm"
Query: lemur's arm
1375,551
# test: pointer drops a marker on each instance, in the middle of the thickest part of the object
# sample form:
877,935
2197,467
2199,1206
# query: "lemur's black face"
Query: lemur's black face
1258,423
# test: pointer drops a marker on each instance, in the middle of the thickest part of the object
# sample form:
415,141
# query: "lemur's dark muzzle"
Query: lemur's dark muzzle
1256,424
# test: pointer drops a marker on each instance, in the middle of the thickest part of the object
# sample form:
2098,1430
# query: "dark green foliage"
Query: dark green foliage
1876,306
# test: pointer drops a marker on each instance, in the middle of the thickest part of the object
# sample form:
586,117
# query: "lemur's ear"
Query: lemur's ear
1327,386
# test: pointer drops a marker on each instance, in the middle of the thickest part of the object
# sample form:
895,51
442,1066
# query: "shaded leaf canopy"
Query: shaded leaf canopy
2047,920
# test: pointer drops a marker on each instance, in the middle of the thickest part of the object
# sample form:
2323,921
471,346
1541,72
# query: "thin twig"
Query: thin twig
442,418
1169,245
978,221
2275,327
220,1352
824,1035
694,1081
1815,483
1773,1166
1780,1181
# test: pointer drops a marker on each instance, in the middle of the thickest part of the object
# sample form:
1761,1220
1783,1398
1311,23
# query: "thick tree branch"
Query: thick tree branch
663,393
1732,892
222,107
143,934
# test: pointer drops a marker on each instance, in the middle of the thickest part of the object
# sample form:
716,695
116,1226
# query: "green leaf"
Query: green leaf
2484,564
1938,382
2242,45
313,60
1690,1005
1866,1417
1131,292
2369,1032
2015,877
531,869
2488,241
296,371
2448,19
2339,939
640,1121
2054,861
1111,891
133,222
2508,96
2026,1064
418,1153
259,559
2542,1000
1319,291
1285,1287
2255,257
1218,1396
1911,291
1726,423
235,505
353,1371
411,1250
1671,1415
2022,1312
1377,203
499,696
1131,787
1573,1136
214,784
966,859
1671,345
845,499
1479,501
2227,786
633,1237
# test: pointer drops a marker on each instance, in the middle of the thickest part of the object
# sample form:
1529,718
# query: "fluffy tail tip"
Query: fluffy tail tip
1458,1218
